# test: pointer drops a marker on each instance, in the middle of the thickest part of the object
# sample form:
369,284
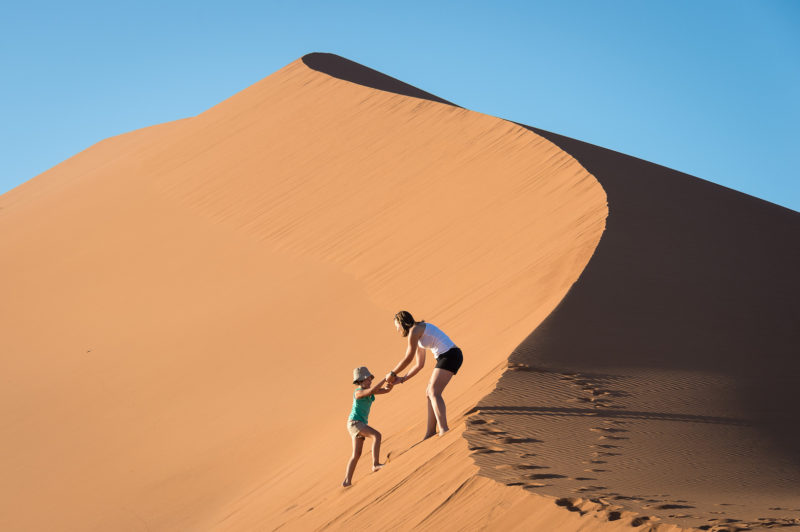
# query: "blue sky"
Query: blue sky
707,87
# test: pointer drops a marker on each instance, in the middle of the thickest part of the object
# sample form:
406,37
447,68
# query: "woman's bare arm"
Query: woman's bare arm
413,338
417,366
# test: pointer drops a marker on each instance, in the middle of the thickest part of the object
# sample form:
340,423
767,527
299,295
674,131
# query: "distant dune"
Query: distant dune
185,304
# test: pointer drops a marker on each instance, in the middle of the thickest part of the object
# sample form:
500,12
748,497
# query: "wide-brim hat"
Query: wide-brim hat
359,374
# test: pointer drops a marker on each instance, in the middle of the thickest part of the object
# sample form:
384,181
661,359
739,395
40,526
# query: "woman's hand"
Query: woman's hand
392,378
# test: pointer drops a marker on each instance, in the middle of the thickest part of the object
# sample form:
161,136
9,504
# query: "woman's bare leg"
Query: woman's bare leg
439,380
358,444
376,445
431,430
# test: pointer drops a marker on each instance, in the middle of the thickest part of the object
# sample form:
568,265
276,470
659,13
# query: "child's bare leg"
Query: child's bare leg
431,430
439,380
358,444
376,446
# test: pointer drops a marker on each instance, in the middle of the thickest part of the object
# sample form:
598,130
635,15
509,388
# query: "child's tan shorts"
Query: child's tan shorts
354,427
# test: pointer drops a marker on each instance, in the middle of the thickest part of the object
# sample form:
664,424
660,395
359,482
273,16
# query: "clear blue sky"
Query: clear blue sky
707,87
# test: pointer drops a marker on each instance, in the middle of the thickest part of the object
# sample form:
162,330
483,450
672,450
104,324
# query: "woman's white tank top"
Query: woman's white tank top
434,339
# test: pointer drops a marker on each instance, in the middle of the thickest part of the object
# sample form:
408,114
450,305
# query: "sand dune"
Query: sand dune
185,304
188,300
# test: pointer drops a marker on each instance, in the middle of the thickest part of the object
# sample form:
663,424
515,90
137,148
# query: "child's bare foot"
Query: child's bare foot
377,467
346,483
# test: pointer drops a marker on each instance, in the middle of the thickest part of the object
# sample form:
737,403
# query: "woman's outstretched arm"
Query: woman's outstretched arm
413,338
417,366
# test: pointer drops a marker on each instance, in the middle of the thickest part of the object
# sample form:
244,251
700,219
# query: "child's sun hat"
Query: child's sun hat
359,374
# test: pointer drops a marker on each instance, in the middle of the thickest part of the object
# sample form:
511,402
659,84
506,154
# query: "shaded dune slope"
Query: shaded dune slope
665,380
189,300
342,68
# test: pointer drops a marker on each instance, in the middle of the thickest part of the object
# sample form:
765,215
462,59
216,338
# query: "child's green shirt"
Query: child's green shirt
360,411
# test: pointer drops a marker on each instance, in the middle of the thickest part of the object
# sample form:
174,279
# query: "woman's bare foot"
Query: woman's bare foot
346,483
429,435
443,431
377,467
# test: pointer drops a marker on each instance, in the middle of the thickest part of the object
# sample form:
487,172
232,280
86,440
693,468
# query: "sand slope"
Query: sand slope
185,303
678,395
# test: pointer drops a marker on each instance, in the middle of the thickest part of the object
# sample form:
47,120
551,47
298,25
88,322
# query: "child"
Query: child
357,426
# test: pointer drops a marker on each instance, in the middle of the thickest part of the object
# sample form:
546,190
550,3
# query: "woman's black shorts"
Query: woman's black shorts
450,360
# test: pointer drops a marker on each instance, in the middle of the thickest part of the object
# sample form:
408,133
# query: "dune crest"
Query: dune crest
189,301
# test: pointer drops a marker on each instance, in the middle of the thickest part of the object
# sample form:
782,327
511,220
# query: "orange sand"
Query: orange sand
185,304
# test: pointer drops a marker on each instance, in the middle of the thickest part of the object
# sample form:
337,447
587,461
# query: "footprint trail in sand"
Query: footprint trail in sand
582,438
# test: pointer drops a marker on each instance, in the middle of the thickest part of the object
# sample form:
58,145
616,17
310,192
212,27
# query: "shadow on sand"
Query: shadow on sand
341,68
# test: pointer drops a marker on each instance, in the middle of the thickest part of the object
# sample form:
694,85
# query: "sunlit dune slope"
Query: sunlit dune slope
184,305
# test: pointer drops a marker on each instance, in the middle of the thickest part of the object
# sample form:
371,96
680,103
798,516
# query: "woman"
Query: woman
422,336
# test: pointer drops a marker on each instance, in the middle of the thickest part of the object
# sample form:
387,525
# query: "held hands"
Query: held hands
394,379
